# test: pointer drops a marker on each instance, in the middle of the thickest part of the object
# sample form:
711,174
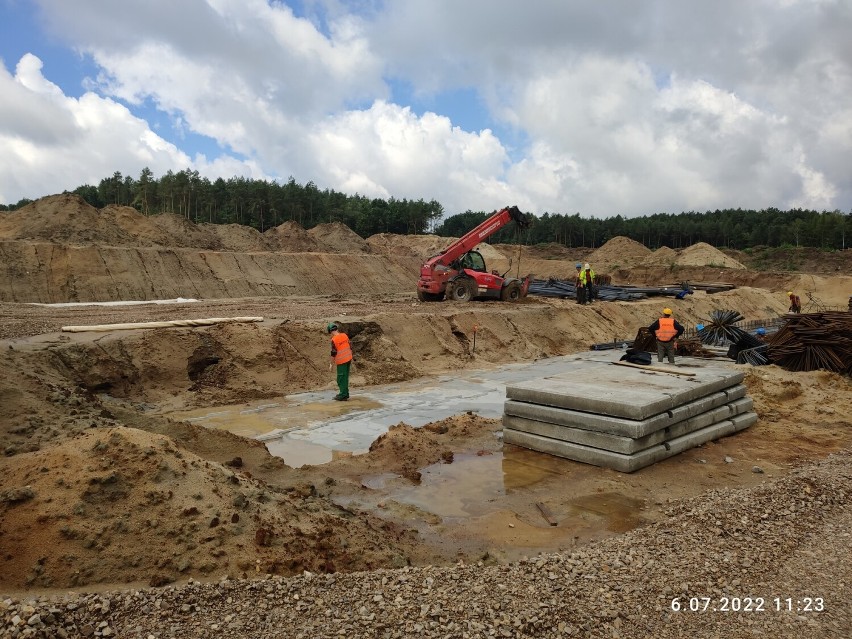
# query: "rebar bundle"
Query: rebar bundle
645,340
693,348
755,356
813,341
721,330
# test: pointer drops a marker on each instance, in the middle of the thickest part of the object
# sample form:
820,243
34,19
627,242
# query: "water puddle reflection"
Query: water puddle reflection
617,512
473,484
286,425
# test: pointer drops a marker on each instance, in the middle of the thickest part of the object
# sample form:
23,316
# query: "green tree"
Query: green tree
90,194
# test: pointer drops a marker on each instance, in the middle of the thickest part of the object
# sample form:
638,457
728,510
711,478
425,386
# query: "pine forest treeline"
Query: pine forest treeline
258,203
262,204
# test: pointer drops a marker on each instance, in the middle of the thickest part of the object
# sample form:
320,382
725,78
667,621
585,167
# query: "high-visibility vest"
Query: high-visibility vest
583,278
344,351
667,330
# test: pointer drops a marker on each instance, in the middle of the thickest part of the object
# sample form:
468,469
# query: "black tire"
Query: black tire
423,296
511,292
462,289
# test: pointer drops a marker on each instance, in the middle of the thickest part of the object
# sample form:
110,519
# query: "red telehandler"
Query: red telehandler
459,273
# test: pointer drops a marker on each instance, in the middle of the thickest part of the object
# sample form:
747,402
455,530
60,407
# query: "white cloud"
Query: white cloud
53,142
600,108
411,154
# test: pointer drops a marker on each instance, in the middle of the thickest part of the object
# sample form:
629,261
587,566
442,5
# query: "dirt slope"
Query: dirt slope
51,273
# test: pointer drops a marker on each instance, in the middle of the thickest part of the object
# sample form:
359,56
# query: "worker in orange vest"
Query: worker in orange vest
795,302
666,329
341,356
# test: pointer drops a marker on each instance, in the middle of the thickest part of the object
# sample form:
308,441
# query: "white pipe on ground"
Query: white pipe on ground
169,324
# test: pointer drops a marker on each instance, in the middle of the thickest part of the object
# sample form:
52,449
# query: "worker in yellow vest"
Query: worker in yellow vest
341,356
666,329
587,281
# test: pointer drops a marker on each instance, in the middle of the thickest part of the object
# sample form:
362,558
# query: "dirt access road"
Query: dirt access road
101,490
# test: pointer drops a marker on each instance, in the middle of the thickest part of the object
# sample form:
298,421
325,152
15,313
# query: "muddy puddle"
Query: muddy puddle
474,485
506,505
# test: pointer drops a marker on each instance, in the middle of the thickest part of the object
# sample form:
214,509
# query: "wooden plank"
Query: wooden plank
658,369
545,512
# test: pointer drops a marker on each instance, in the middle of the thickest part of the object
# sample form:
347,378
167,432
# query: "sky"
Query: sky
603,108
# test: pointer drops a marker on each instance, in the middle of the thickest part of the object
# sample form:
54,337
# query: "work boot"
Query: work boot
341,398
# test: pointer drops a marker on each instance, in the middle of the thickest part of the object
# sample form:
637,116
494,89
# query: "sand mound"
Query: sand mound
69,219
620,251
702,254
544,251
130,505
422,246
142,230
290,237
663,256
66,219
238,238
181,232
335,237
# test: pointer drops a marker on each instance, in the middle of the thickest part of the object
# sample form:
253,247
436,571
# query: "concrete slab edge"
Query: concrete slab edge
619,405
619,425
627,445
628,463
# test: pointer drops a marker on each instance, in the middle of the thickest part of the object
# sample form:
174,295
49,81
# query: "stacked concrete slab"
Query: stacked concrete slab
622,417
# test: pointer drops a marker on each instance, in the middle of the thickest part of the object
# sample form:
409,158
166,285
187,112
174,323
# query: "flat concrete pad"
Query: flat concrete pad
619,425
595,385
626,445
629,463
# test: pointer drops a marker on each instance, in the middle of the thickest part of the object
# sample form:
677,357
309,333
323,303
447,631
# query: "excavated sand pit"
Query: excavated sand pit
108,484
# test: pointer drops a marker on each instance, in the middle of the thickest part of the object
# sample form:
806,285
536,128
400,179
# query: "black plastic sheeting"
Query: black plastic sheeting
608,293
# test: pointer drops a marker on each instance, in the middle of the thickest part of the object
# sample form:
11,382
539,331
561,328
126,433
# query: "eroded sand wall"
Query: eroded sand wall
53,273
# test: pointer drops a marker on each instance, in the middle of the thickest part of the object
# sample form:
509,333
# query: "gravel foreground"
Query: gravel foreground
772,561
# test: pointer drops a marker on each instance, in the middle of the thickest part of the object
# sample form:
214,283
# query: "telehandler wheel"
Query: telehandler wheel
423,296
511,293
462,289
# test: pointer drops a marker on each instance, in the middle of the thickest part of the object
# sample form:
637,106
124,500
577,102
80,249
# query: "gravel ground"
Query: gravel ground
772,561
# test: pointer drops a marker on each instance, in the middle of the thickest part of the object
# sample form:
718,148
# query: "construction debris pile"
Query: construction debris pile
625,418
814,341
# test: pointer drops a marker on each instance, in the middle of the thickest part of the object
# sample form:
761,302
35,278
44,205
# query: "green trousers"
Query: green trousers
343,379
